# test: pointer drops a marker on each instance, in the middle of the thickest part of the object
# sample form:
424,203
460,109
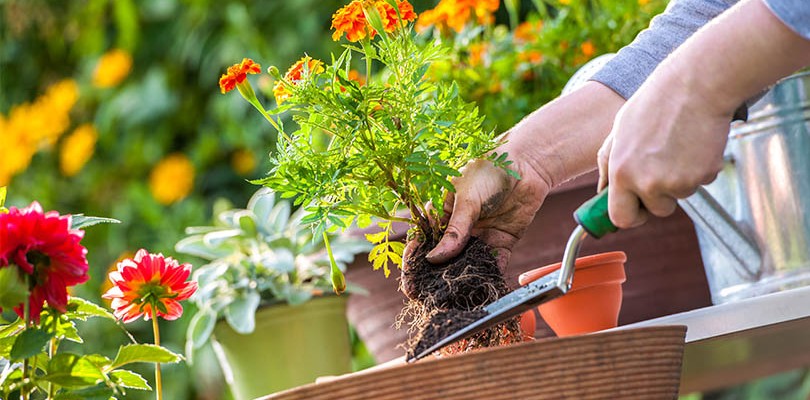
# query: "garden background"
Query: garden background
112,108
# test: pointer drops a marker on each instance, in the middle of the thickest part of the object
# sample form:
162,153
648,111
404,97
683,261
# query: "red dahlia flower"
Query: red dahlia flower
149,285
44,247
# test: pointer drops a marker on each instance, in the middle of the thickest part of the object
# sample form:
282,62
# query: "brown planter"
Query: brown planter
664,269
635,364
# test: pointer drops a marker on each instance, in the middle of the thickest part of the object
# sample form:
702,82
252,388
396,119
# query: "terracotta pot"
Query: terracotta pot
595,298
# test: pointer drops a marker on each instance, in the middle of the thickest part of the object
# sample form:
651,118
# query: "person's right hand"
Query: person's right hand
491,205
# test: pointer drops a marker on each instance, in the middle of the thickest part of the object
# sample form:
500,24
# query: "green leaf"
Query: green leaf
129,379
72,371
376,237
30,342
200,327
80,221
241,313
144,353
363,221
6,344
98,392
195,246
13,287
68,331
79,308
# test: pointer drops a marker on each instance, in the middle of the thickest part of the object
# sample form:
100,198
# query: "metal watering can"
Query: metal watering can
753,221
764,189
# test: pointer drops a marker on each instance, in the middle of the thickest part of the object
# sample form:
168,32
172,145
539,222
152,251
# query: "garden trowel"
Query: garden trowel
592,220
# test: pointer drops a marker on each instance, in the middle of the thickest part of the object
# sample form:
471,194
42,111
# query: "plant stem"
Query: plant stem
158,382
51,353
27,321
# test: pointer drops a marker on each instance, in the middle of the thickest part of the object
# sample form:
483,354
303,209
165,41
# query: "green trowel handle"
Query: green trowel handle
593,216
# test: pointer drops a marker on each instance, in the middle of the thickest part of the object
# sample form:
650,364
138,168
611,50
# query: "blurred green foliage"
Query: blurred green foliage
169,103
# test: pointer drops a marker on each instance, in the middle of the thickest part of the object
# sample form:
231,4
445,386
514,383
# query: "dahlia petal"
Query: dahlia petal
174,310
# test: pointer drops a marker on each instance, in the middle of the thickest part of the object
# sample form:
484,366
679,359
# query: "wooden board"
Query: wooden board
639,364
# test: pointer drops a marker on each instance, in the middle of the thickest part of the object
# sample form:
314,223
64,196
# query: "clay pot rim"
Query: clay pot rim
580,264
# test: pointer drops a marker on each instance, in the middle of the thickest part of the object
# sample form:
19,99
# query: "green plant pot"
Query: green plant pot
291,346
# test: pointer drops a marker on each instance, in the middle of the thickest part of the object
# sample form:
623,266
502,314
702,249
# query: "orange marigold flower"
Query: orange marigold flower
477,53
528,32
456,14
303,68
237,74
149,285
389,14
531,56
588,49
351,20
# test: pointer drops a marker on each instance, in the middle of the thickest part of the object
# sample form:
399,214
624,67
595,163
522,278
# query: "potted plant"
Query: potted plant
364,151
264,296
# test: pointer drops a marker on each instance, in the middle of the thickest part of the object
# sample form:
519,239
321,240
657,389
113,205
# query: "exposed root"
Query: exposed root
446,298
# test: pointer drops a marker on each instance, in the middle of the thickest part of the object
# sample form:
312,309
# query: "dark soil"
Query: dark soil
445,298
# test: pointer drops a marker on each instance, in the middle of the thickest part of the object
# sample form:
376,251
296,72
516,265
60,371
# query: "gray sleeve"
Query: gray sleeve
794,13
635,62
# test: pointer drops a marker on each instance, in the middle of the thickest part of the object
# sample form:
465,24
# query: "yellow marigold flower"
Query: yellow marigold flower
643,2
565,2
112,68
172,179
77,148
301,70
243,162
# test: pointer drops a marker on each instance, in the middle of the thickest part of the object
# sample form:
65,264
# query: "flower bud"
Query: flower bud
273,71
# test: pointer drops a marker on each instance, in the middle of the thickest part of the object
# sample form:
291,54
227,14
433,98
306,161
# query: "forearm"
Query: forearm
560,140
636,61
740,53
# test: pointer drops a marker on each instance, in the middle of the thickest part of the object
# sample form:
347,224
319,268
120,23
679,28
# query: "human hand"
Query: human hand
491,205
664,144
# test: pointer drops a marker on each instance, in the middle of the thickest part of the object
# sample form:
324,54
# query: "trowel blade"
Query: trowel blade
513,304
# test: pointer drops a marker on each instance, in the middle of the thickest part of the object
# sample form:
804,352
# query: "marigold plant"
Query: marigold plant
368,151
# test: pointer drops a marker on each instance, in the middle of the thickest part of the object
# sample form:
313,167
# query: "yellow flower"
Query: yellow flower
565,2
172,179
31,126
643,2
77,148
243,162
49,116
112,68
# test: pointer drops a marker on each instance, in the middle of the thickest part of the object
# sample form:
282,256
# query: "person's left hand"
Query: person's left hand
665,142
